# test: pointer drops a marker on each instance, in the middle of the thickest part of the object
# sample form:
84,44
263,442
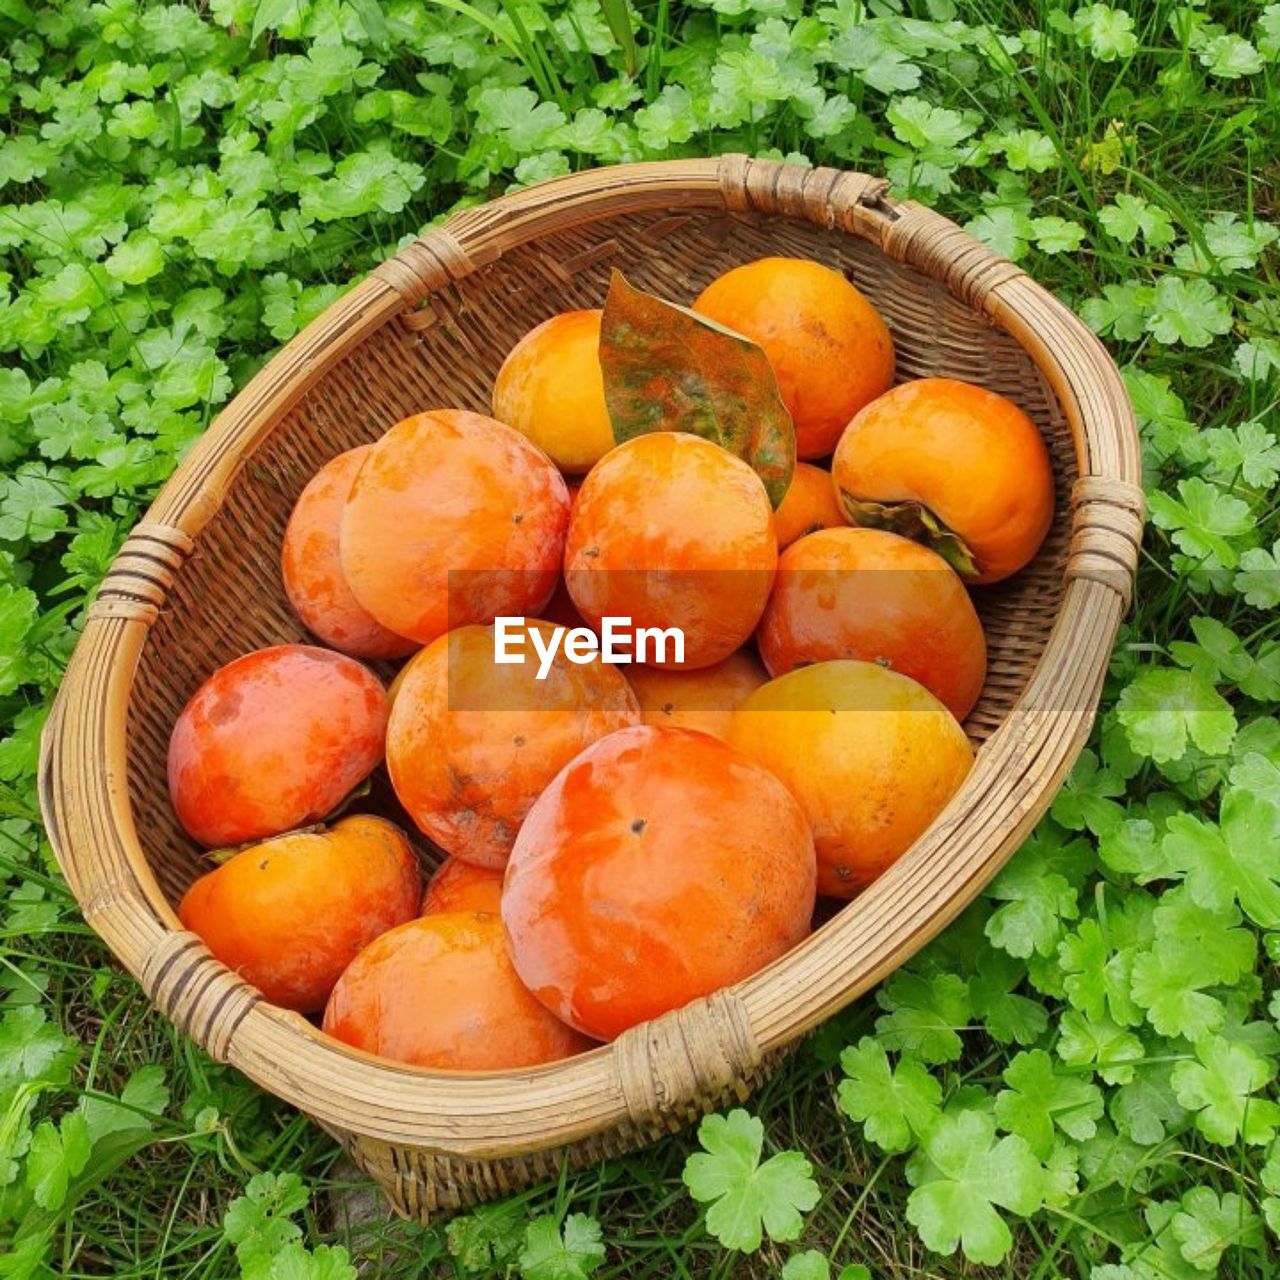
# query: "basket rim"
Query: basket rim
655,1072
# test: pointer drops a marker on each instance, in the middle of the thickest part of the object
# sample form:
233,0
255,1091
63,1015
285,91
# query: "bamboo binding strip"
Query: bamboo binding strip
197,584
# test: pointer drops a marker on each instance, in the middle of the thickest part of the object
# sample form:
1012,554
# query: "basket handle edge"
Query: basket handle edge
733,182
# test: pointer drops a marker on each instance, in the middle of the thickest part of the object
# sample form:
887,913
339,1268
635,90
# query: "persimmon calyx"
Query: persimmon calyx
913,520
218,856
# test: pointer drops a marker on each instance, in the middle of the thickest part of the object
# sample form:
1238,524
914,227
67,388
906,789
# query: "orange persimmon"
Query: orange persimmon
659,866
440,992
864,593
829,347
462,886
472,742
453,519
671,530
550,388
290,914
700,699
272,741
872,757
810,504
954,466
312,567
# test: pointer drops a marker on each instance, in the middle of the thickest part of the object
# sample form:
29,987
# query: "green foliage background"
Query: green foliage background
1079,1078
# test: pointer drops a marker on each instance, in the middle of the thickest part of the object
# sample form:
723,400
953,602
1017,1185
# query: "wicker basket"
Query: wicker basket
198,583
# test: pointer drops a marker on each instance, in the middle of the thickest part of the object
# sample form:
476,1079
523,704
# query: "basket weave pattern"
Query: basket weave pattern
198,583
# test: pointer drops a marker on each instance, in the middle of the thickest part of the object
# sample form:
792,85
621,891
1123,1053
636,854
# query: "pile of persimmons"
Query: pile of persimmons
613,840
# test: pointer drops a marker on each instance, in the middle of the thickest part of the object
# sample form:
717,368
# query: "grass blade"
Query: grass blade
618,16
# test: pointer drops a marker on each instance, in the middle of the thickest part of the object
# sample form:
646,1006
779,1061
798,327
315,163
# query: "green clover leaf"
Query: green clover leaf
1195,949
1259,578
1163,710
1190,312
1270,1180
1009,1017
1097,979
1088,797
924,127
553,1252
1230,56
1036,896
32,1048
1122,310
1106,32
258,1221
895,1105
489,1235
1146,1109
1236,860
960,1174
748,1197
1100,1044
1130,216
1040,1099
1219,1087
57,1155
1207,1224
924,1015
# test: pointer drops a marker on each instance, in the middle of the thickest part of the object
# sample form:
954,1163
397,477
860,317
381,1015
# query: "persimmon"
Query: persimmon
954,466
659,866
551,389
864,593
440,992
290,914
700,699
453,519
272,741
872,756
462,886
312,567
472,742
670,530
810,504
830,349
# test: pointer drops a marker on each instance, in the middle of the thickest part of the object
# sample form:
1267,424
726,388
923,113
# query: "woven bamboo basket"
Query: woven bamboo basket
197,583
